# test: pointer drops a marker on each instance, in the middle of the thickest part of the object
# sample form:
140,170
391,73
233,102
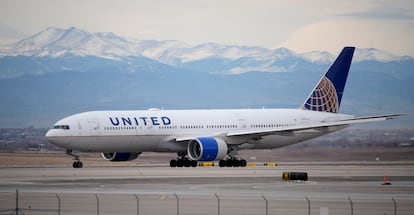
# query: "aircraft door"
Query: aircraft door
242,124
241,121
94,128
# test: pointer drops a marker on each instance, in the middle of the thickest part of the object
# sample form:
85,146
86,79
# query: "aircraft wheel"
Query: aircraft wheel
236,163
77,164
193,163
173,163
243,163
180,163
229,163
222,163
187,163
233,163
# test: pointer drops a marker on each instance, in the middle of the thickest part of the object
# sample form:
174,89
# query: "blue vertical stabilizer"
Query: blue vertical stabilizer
328,92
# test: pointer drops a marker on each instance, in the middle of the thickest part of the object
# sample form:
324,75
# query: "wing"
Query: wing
322,126
290,131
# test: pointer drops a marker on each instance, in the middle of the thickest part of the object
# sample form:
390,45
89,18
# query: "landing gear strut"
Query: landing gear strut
76,163
183,161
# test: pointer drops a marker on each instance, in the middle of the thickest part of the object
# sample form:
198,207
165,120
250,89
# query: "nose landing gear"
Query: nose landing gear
76,163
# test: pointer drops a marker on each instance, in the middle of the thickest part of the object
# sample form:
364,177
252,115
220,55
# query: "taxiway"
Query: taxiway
202,190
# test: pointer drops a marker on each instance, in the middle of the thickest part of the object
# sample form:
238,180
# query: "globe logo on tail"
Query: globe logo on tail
323,98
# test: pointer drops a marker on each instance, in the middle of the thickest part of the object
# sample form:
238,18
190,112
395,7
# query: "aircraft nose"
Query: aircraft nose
48,134
51,135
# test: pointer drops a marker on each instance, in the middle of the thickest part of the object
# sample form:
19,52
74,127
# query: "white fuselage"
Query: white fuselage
161,130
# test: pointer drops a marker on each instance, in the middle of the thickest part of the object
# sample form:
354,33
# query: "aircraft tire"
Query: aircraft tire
187,163
222,163
193,163
235,163
173,163
229,163
77,164
180,163
243,163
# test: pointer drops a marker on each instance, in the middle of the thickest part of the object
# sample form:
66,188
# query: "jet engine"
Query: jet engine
207,149
120,156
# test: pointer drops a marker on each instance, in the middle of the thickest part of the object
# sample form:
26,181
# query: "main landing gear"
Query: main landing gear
233,162
76,163
183,161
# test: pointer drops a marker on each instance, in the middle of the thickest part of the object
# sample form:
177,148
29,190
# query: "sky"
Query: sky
303,26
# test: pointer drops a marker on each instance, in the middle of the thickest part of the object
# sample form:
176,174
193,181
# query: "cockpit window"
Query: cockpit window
64,127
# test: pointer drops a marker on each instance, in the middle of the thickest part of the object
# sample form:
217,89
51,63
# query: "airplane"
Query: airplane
209,135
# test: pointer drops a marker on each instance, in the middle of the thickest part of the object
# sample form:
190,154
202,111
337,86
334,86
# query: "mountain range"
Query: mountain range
58,72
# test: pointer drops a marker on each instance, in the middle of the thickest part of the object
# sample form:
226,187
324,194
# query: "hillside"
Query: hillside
58,72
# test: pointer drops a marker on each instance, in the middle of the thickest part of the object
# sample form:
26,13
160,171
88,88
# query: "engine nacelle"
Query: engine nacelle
207,149
120,156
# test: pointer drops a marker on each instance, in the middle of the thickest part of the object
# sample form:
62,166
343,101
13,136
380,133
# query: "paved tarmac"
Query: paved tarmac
332,188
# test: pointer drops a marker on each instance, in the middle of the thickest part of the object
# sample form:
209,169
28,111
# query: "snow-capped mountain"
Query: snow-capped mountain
63,71
319,57
55,43
372,54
